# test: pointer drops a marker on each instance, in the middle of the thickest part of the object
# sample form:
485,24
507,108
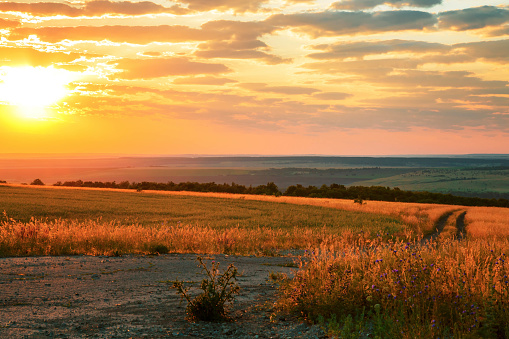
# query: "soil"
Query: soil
129,297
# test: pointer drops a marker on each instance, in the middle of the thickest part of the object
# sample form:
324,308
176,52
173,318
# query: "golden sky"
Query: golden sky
343,77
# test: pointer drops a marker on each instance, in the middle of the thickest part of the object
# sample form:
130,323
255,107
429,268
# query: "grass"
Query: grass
365,272
152,209
404,290
50,221
445,180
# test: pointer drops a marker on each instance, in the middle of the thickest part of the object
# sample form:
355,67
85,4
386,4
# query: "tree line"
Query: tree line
333,191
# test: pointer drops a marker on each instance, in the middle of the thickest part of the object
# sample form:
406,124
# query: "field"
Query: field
468,182
379,269
170,221
470,175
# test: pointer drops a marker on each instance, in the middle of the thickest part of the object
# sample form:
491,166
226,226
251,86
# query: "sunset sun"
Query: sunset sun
33,90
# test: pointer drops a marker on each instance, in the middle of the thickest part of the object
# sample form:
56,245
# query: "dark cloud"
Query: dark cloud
367,4
155,68
91,8
361,49
332,23
473,18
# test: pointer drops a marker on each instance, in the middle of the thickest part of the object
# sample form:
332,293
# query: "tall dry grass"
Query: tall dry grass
420,217
449,289
72,237
487,222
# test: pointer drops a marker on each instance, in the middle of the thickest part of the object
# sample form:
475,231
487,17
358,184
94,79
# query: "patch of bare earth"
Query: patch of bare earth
129,297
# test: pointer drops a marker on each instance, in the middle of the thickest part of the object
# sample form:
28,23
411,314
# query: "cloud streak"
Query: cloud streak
334,23
368,4
90,8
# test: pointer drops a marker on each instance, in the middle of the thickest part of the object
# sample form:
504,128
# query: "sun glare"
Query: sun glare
33,90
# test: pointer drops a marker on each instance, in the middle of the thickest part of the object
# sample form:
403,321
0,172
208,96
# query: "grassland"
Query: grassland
365,271
477,182
57,221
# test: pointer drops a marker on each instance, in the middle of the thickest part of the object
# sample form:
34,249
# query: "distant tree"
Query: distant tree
37,182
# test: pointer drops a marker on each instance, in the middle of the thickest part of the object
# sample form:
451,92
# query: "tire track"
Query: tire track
460,226
442,222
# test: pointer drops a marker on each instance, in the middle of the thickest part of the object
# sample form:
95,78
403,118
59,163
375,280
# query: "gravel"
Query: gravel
129,297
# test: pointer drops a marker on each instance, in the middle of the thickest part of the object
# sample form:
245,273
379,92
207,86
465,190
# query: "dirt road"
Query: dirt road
129,297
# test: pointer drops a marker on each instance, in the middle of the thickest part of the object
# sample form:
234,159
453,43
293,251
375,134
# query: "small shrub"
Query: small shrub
359,201
37,182
159,249
218,291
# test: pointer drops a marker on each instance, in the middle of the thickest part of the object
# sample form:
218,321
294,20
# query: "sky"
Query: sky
272,77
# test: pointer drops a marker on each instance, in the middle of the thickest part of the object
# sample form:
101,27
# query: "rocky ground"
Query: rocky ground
129,297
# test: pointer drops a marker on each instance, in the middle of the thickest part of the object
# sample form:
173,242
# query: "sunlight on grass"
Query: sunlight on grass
404,290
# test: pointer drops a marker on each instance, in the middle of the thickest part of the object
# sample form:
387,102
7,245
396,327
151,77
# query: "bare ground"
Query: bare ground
129,297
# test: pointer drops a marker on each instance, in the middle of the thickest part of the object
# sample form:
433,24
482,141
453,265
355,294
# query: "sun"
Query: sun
33,90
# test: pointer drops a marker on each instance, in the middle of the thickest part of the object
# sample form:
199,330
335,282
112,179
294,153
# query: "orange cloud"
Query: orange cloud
155,68
225,5
4,23
91,8
21,56
131,34
206,80
264,88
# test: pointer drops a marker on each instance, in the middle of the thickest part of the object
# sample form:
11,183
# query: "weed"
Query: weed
218,293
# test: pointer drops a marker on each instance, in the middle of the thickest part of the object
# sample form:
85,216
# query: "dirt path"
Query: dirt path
442,222
460,226
128,297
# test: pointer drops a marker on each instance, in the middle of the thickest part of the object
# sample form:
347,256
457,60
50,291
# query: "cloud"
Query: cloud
156,68
434,79
242,44
368,4
495,51
24,56
264,88
499,31
331,95
362,69
90,8
473,18
334,23
235,50
225,5
221,38
4,23
130,34
203,81
360,49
